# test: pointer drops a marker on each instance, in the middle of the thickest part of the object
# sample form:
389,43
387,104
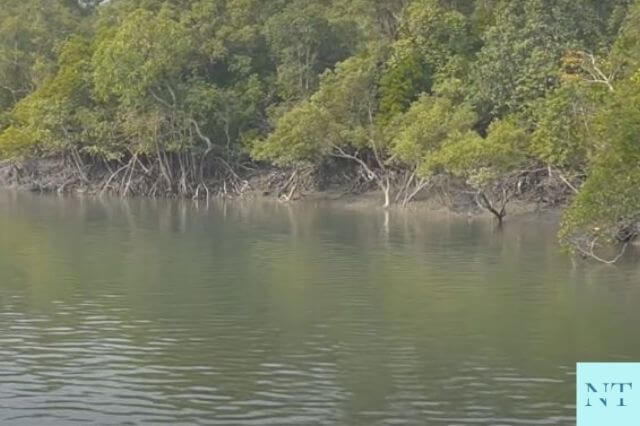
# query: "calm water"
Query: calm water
141,312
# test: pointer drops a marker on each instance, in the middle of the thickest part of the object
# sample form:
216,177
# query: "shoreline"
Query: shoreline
50,176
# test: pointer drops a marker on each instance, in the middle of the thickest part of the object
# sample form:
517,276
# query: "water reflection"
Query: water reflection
148,312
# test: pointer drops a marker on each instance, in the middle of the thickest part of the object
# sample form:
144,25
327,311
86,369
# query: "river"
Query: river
144,312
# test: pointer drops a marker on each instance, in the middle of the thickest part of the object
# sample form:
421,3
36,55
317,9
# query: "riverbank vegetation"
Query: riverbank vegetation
495,99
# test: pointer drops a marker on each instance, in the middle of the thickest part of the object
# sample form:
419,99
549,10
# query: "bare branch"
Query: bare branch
573,188
172,93
200,134
590,252
590,66
483,202
159,99
341,153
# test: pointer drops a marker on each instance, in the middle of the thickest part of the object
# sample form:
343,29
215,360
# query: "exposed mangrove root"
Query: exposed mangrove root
588,249
208,174
290,185
410,188
105,187
161,174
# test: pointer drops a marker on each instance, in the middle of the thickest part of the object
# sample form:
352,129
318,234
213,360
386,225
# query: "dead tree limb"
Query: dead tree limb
590,252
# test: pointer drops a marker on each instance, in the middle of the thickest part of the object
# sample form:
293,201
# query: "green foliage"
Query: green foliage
432,41
147,51
340,114
350,95
304,43
30,31
609,198
626,49
16,142
432,86
46,119
520,59
299,137
481,160
563,135
426,126
406,75
438,33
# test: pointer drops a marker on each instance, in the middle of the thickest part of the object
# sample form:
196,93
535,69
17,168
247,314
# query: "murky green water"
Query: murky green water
142,312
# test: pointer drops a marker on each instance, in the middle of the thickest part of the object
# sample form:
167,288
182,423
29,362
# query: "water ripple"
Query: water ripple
133,313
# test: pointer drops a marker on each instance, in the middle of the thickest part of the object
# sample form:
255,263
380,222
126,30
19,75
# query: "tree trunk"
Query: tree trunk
487,205
386,188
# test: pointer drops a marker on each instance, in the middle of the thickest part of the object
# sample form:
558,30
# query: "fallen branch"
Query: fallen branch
590,252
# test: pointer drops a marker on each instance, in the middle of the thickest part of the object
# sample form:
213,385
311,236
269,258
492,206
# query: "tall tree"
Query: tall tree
30,31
